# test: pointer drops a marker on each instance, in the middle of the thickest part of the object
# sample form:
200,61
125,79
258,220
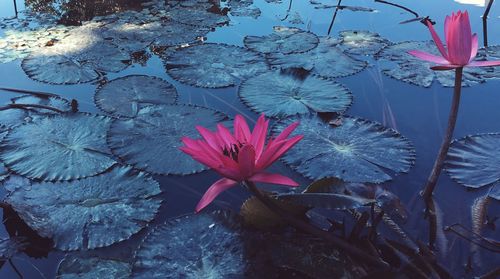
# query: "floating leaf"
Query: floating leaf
89,213
198,17
326,200
356,150
284,40
402,66
291,96
474,161
244,8
495,192
9,247
88,267
126,95
13,117
214,65
361,42
326,60
51,101
193,246
151,140
60,147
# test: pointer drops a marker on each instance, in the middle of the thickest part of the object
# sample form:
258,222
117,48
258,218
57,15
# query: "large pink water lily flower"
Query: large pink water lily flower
461,45
239,156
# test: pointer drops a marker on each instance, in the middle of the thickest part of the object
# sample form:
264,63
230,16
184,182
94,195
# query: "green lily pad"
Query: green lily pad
284,40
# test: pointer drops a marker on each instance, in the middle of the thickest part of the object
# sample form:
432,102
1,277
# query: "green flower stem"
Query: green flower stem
445,145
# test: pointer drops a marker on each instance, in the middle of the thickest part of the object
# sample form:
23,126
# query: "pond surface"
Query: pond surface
206,80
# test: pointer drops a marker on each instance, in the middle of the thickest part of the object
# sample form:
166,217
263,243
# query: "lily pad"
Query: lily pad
9,247
193,246
495,192
244,8
51,101
89,213
400,65
474,161
327,60
88,267
151,140
125,96
284,40
214,65
280,95
352,149
326,200
198,16
61,147
361,42
13,117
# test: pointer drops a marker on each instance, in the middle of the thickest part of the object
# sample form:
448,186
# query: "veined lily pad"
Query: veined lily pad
151,140
51,101
280,95
172,33
214,65
244,8
402,66
474,161
89,213
361,42
60,147
198,17
326,60
194,246
284,40
355,150
127,95
13,117
88,267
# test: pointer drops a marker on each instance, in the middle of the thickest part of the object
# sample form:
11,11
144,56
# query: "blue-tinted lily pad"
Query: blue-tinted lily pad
352,149
474,161
361,42
495,192
214,65
9,247
88,267
281,95
61,147
151,140
194,246
89,213
244,8
198,16
326,60
50,101
125,96
284,40
400,65
13,117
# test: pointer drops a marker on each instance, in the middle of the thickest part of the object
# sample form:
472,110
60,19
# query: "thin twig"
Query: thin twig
15,269
334,16
485,23
306,227
445,145
398,6
27,106
34,93
15,7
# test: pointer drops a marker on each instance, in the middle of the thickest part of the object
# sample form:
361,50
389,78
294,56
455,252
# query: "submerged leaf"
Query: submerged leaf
9,247
284,40
280,95
361,42
193,246
59,147
125,96
327,200
358,150
51,101
151,140
214,65
89,213
89,267
326,60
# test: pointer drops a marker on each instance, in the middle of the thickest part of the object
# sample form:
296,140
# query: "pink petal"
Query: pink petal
459,42
287,131
445,67
259,135
225,136
218,187
475,46
210,138
273,178
246,160
241,129
276,151
437,40
428,57
484,63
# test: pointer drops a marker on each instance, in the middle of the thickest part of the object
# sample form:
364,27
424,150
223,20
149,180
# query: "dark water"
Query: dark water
420,115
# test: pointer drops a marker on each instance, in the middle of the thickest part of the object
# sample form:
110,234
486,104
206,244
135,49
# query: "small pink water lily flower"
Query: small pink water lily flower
240,156
461,45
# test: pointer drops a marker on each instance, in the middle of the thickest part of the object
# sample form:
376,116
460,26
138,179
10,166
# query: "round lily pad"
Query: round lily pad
199,16
151,140
89,213
281,95
244,8
126,95
400,65
60,147
326,60
193,246
171,33
474,161
13,117
352,149
214,65
361,42
89,267
284,40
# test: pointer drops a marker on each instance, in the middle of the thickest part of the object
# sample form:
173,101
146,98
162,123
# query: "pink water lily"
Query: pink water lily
461,45
240,156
